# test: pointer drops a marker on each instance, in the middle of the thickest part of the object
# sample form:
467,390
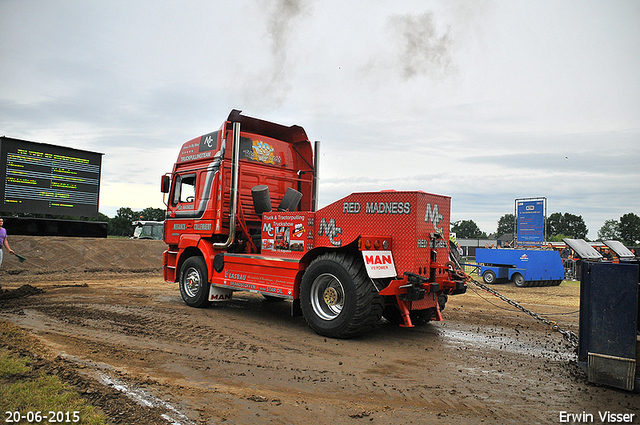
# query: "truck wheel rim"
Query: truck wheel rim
192,283
327,296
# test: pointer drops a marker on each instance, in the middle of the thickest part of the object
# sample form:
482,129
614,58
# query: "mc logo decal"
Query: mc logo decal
434,217
331,230
268,229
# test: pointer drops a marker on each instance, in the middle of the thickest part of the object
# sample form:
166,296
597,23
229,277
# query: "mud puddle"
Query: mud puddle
492,339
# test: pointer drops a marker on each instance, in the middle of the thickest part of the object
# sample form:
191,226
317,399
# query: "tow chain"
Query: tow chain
570,336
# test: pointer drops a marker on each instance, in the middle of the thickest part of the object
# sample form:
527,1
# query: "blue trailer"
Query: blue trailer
525,267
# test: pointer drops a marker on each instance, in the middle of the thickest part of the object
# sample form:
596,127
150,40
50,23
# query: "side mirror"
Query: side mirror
165,184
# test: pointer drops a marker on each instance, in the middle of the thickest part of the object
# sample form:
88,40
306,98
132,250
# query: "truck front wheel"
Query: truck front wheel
338,299
194,282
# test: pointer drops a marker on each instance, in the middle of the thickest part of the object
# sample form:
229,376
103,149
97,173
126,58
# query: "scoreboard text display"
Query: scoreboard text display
530,220
47,179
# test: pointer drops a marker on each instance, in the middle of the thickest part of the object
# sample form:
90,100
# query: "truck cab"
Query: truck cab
203,190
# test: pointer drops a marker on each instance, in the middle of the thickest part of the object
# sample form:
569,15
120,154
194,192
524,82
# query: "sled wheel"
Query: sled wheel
518,280
489,277
338,299
194,285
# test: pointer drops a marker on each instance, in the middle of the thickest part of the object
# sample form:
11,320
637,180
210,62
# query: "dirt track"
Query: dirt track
111,319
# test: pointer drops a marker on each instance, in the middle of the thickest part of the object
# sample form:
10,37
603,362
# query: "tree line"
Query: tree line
626,229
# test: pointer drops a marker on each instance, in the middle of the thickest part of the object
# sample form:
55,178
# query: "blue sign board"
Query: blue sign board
530,222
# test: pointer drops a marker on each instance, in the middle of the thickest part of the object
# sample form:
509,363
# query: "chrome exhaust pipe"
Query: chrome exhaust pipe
316,178
235,166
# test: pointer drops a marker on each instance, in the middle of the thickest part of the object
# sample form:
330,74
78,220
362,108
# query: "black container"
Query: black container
609,323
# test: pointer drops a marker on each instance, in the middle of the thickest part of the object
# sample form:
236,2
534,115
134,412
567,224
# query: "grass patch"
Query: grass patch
24,390
571,283
11,365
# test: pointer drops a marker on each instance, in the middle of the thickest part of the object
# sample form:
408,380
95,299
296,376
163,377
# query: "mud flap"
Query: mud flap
296,310
219,294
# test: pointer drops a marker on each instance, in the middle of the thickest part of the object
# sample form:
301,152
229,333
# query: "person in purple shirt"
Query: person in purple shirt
3,240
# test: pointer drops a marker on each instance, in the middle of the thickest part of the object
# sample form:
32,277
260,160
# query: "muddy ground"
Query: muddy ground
111,326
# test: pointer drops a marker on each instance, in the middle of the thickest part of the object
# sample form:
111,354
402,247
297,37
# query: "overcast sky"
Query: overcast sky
483,101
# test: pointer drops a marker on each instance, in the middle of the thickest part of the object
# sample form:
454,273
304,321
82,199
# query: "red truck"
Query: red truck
242,216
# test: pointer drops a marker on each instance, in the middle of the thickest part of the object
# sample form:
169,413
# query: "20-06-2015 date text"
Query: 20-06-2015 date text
49,417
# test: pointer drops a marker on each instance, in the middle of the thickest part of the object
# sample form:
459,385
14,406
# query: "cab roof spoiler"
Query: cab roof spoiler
292,134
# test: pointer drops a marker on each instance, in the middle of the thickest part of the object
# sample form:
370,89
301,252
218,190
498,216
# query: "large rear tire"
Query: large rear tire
338,299
194,282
